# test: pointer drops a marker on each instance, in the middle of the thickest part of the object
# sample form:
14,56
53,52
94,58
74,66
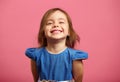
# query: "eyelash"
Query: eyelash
61,22
49,23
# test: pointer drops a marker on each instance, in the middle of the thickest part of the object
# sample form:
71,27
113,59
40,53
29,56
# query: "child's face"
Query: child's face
56,26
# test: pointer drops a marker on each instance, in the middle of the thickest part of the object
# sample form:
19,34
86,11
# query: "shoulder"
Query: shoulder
34,49
78,54
33,52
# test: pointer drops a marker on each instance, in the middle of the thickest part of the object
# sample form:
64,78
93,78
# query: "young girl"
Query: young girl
56,60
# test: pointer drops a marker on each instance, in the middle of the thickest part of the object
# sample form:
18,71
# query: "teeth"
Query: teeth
56,31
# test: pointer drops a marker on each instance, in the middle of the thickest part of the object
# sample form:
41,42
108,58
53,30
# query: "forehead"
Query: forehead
57,15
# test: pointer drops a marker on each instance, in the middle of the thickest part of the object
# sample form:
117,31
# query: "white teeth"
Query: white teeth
56,31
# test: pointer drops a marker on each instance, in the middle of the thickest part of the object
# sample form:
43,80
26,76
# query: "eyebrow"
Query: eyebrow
58,19
49,20
61,19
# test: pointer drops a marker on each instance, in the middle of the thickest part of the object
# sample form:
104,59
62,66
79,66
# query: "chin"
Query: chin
58,38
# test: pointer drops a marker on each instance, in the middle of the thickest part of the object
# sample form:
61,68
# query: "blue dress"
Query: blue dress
55,66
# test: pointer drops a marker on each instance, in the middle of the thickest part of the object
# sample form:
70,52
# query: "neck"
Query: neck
56,47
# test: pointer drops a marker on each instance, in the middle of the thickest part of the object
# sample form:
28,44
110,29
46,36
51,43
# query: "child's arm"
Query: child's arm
34,71
77,70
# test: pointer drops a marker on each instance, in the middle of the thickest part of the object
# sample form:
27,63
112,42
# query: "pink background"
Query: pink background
96,21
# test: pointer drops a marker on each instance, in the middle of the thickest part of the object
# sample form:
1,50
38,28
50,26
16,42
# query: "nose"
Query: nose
56,25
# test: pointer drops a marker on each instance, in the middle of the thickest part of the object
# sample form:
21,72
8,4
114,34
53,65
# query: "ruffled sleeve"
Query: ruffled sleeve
30,52
79,55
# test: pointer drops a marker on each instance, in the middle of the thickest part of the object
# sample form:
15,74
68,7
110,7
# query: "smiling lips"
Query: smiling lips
56,31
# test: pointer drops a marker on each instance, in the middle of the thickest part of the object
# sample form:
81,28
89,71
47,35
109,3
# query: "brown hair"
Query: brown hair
70,40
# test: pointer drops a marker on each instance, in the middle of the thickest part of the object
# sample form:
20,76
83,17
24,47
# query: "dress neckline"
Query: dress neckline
55,53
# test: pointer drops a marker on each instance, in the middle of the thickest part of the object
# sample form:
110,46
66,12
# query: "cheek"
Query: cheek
67,31
46,31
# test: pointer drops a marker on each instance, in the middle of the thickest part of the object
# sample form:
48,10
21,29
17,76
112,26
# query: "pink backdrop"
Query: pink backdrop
96,21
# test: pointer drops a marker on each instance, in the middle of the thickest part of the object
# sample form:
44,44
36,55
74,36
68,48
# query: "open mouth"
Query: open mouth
56,31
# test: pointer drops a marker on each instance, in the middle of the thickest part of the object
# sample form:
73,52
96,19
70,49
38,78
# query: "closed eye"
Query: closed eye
49,23
61,22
